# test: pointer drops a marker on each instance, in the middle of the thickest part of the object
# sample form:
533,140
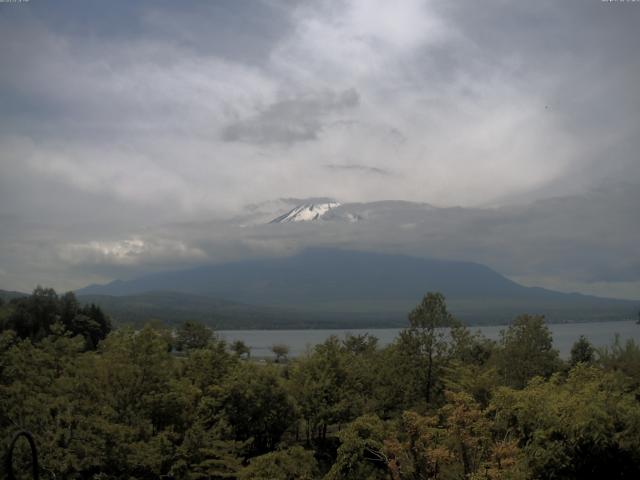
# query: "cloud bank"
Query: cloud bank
124,123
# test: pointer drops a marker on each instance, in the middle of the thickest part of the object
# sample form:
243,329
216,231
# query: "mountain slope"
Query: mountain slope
306,212
172,308
339,284
319,275
10,294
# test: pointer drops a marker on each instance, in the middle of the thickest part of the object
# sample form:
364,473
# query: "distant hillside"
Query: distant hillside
332,287
172,308
9,295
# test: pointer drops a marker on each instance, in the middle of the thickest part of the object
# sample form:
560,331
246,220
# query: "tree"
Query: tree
622,357
419,449
424,342
294,463
241,349
320,385
253,402
360,344
582,352
470,439
34,316
470,369
43,390
581,426
526,351
395,383
206,368
101,324
192,336
470,348
133,372
361,454
207,453
281,351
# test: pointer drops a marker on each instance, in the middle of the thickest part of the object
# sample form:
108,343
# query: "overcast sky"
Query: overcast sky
131,130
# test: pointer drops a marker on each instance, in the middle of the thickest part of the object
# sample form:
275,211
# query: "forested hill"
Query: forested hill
155,403
333,287
172,308
7,295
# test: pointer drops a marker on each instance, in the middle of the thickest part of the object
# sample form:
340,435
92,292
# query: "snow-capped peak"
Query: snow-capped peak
306,212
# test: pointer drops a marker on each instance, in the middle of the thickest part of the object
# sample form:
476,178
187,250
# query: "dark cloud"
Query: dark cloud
133,132
290,121
585,242
204,27
359,169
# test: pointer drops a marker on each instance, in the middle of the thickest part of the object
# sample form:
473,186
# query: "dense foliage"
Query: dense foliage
38,315
436,404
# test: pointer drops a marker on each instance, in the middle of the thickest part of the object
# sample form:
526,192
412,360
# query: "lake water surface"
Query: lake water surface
564,335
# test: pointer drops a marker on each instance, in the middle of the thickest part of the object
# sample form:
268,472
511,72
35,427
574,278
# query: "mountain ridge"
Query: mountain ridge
306,212
349,284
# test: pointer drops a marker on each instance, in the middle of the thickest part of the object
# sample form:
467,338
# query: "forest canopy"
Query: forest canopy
438,403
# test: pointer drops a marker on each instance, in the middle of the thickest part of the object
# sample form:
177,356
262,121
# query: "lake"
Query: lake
600,334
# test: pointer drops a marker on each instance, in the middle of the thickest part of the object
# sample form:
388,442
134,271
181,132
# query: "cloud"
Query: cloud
290,121
351,42
358,169
146,117
130,252
333,84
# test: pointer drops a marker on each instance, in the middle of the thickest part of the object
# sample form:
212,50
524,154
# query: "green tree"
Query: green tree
364,344
475,450
621,357
582,352
34,316
471,369
255,404
361,454
241,349
134,370
206,368
470,348
424,343
294,463
207,453
582,426
43,390
192,336
281,351
321,387
418,450
526,350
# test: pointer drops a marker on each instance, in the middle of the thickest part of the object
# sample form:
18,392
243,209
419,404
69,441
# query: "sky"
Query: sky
133,133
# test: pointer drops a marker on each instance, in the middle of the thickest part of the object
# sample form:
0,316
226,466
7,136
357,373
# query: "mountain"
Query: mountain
8,295
306,212
267,212
332,211
173,308
343,287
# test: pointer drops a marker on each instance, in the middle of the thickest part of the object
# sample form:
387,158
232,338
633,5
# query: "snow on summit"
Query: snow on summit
306,212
